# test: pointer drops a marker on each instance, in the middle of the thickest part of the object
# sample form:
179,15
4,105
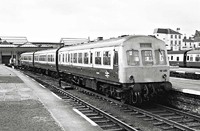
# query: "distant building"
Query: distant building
12,47
197,39
73,41
172,39
188,43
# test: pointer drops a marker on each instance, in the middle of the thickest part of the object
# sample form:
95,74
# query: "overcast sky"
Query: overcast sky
50,20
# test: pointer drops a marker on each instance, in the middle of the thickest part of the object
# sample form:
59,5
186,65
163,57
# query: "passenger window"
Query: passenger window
191,58
133,57
106,57
63,57
147,58
66,56
160,57
75,58
197,58
98,58
80,59
59,57
86,58
49,58
91,57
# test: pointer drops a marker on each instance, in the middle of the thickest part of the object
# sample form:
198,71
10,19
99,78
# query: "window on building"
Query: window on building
188,58
171,36
175,36
179,36
133,57
175,42
106,57
147,57
171,57
177,58
171,42
98,58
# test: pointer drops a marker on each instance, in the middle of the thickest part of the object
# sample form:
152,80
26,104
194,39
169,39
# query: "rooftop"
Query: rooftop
166,31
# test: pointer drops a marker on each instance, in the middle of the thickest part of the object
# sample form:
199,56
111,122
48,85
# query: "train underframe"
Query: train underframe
131,93
134,93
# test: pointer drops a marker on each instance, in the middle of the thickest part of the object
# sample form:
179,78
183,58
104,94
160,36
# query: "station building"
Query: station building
172,39
12,47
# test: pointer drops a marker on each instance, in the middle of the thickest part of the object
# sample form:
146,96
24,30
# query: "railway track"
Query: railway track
105,120
161,117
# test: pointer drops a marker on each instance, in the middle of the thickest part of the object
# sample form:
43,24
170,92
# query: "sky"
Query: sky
51,20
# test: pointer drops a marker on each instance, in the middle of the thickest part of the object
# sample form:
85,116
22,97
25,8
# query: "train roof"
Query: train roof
109,42
46,51
194,51
27,53
177,52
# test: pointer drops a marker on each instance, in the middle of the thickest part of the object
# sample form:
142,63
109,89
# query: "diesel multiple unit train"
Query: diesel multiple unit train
131,68
187,58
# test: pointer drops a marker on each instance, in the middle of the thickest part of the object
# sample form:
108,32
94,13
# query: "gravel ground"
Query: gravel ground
26,115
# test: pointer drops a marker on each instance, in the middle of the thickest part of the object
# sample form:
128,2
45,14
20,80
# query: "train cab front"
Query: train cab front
147,75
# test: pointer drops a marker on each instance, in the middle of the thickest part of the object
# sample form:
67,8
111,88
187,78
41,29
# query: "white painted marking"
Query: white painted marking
180,71
42,86
27,76
191,91
197,73
85,117
33,80
56,95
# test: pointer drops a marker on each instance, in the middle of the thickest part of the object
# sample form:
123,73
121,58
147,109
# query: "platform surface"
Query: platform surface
186,85
27,106
185,70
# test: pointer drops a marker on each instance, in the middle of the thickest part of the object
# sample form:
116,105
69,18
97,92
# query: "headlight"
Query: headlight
131,78
164,77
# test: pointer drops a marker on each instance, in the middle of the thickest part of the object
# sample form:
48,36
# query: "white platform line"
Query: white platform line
191,91
42,86
56,95
197,73
85,117
180,71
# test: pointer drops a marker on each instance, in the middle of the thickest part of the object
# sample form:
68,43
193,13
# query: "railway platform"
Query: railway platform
185,70
27,106
186,85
